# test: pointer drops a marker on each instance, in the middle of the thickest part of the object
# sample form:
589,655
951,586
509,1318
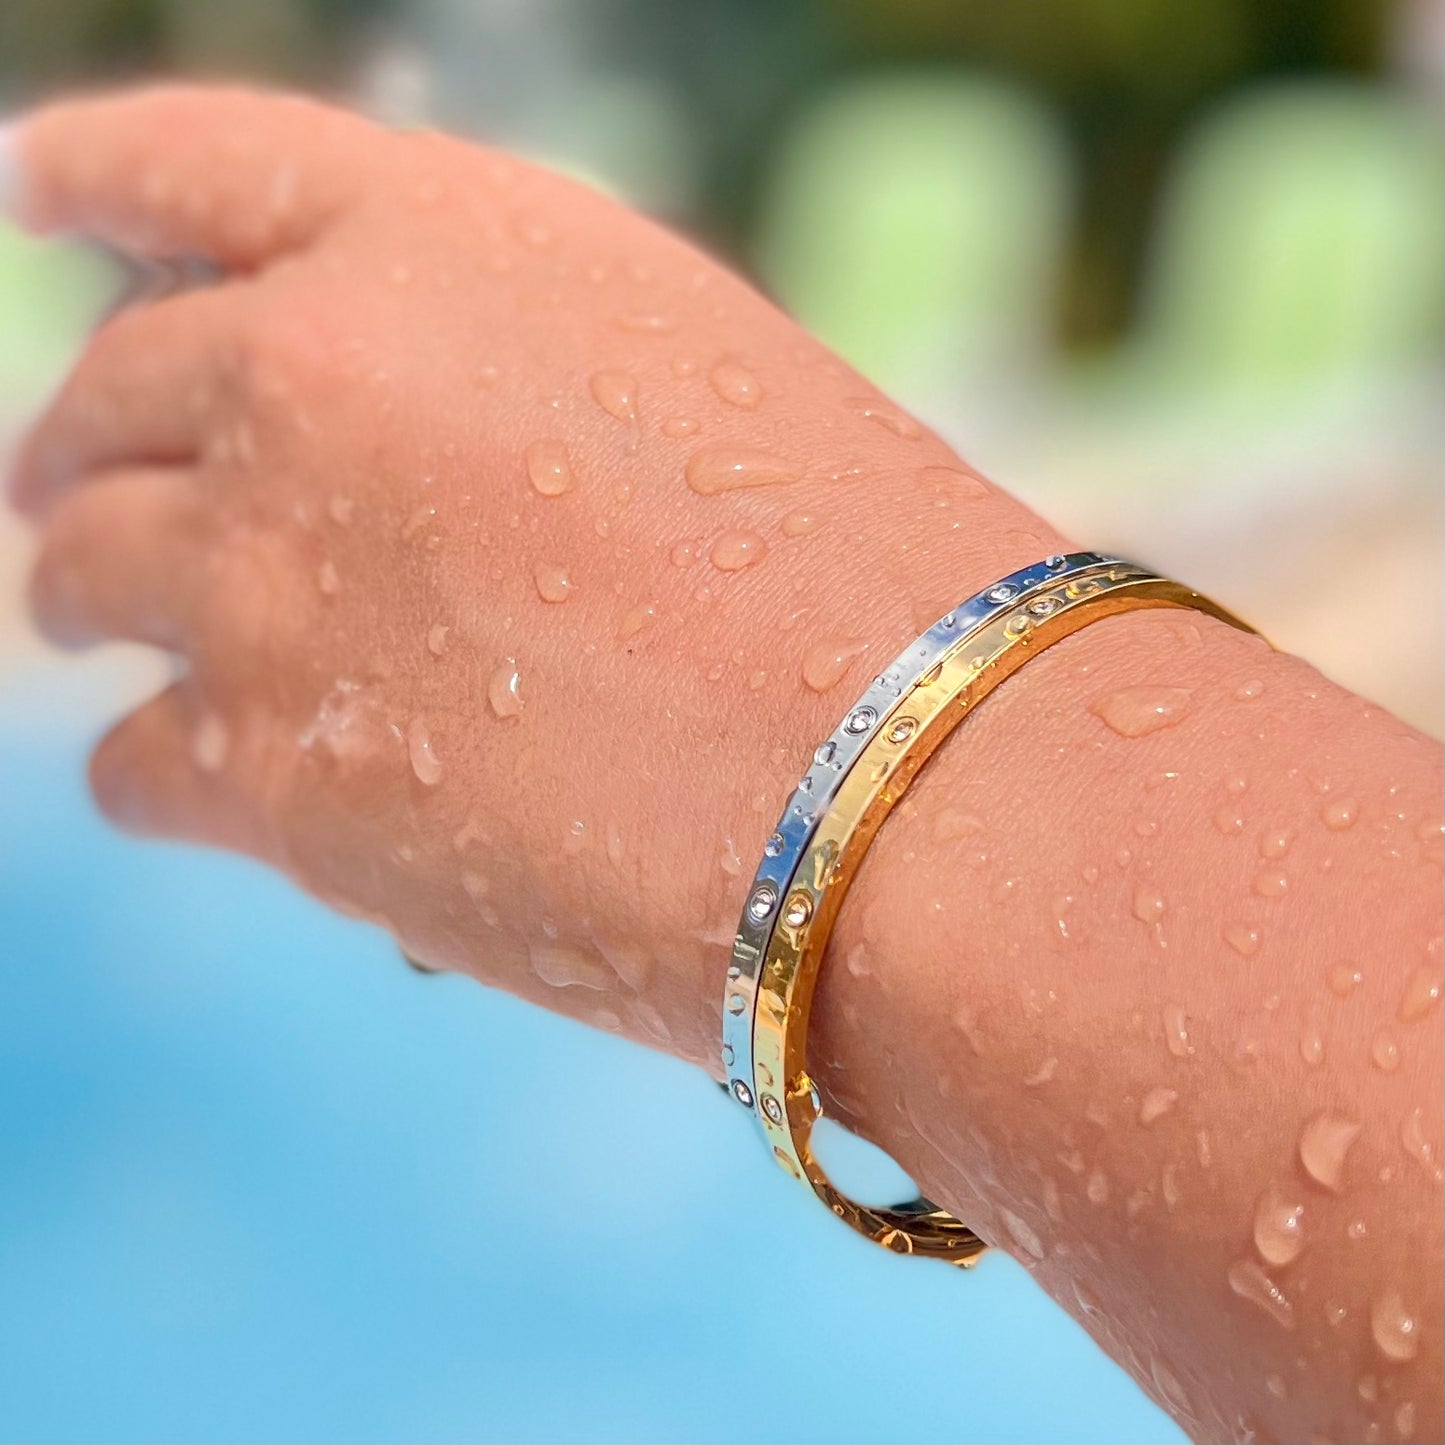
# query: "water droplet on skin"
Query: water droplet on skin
1417,1146
1229,820
646,323
1405,1419
327,579
1385,1052
1251,1283
504,689
549,468
1249,691
616,393
1278,1227
887,416
726,468
825,663
1339,814
421,518
424,761
800,524
563,965
1421,993
1395,1329
1176,1031
1097,1188
1133,711
730,862
1242,938
1343,979
210,743
1367,1387
1323,1143
341,510
574,837
1021,1233
553,583
1148,904
1169,1184
736,385
735,550
1271,883
1156,1103
1170,1390
1274,843
1311,1047
635,620
1276,1386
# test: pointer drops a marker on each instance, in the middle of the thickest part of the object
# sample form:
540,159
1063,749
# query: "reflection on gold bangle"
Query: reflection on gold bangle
788,1101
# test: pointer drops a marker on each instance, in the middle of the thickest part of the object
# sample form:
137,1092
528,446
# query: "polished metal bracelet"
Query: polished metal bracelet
855,778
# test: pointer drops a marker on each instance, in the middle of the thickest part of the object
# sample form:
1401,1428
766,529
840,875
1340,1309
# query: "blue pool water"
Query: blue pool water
258,1180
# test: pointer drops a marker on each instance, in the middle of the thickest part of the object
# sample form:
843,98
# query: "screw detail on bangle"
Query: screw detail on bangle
856,776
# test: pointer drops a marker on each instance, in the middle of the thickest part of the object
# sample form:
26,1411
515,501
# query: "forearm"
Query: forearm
1092,990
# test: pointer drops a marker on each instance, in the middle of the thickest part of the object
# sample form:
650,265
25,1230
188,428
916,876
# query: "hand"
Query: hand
518,553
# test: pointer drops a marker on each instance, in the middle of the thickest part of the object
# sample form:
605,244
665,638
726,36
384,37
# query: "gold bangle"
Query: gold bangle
1018,622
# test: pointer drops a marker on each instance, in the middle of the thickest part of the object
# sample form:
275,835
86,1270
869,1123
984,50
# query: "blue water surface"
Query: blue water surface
260,1181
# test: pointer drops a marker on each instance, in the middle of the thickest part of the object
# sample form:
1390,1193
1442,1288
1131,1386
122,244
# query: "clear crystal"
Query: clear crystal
1004,592
742,1094
860,720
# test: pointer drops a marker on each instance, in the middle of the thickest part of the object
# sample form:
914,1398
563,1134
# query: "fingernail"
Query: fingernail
9,170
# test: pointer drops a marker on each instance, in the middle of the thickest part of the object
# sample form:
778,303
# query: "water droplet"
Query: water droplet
1170,1390
1089,1307
1323,1143
1021,1233
1416,1145
564,965
1339,814
635,620
1278,1227
736,385
1148,904
1169,1184
574,837
730,862
1343,979
1251,1283
1156,1103
327,579
424,761
1276,1386
1311,1047
1176,1031
616,393
1405,1419
680,426
1133,711
1385,1052
735,550
1097,1187
504,689
1247,692
800,524
1043,1074
727,468
1229,820
1395,1329
553,583
549,468
1271,883
887,416
826,662
210,743
646,323
1241,937
1274,842
341,510
1421,993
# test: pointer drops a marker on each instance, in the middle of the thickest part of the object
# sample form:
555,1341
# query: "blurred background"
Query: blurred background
1173,273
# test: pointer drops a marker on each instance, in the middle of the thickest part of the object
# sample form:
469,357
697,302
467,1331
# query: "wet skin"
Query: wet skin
520,556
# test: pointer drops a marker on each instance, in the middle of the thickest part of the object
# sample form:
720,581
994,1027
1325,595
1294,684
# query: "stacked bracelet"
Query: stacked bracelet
856,777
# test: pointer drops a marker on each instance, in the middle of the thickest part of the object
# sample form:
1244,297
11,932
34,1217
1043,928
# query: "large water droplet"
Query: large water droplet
1148,904
1133,711
1395,1329
886,415
1250,1282
1343,979
549,467
1340,813
800,524
563,965
1278,1226
826,662
553,583
1021,1232
733,551
424,761
736,384
727,468
504,689
1421,993
1323,1143
616,393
